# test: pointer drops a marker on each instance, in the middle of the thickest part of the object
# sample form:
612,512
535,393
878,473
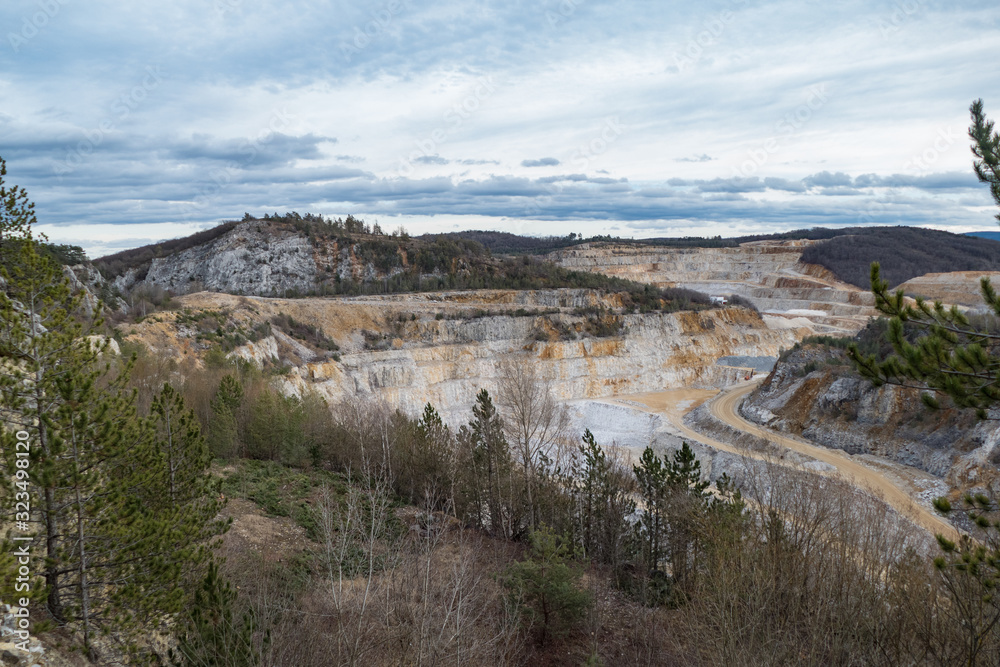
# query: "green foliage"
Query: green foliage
547,586
214,633
490,489
223,436
986,148
675,503
123,510
935,347
957,356
281,491
604,503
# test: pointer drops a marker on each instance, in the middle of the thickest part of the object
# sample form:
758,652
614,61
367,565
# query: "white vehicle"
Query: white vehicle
719,299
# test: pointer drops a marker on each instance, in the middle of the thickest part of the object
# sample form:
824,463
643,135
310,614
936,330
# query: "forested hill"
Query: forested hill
903,253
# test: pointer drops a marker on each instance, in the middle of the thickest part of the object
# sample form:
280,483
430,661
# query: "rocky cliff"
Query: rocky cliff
443,347
254,258
814,393
769,274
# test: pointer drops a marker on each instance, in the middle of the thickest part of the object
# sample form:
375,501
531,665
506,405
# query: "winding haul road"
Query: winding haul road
725,407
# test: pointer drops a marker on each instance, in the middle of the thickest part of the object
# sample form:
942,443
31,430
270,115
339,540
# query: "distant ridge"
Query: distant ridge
994,236
903,252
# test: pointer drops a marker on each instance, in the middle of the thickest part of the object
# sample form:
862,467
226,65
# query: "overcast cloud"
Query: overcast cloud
134,122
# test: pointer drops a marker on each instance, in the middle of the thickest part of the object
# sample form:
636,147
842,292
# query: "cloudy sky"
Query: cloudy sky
132,122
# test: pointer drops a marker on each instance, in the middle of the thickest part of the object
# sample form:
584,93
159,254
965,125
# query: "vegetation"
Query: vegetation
903,252
119,506
957,358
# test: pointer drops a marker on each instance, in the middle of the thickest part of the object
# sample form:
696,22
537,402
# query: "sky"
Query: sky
133,122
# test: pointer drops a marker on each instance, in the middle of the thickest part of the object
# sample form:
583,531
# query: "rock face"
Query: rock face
829,405
769,274
959,287
654,352
13,644
250,259
438,347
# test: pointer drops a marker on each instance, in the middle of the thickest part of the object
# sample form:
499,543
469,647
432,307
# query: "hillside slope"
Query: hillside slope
814,393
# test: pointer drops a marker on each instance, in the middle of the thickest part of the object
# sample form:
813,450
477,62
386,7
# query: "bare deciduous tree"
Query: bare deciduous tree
535,422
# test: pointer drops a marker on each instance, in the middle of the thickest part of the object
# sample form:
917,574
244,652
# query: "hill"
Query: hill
902,252
295,255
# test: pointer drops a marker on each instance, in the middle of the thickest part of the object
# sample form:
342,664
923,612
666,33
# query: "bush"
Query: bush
546,586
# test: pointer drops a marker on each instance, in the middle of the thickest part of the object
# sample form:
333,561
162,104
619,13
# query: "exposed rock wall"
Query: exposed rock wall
654,352
769,274
250,259
959,287
414,349
833,407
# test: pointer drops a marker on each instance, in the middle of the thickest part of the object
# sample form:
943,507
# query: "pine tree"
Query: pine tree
652,476
42,345
604,504
546,584
121,514
490,478
986,148
945,351
223,435
215,634
935,347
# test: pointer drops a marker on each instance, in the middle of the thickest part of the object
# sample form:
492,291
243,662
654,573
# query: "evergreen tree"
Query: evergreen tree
547,583
223,434
946,351
675,500
215,634
43,345
986,148
122,522
939,348
652,476
604,504
489,478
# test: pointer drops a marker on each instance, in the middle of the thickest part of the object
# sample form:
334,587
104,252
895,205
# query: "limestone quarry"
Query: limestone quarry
442,347
768,273
827,404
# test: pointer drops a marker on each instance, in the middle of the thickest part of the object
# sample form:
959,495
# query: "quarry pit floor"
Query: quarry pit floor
895,483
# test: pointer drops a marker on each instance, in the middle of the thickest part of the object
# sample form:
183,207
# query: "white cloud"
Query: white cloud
764,115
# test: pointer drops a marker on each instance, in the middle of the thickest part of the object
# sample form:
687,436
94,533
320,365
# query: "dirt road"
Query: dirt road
725,407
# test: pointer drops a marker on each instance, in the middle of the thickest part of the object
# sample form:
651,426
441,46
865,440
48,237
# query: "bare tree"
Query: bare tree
534,421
